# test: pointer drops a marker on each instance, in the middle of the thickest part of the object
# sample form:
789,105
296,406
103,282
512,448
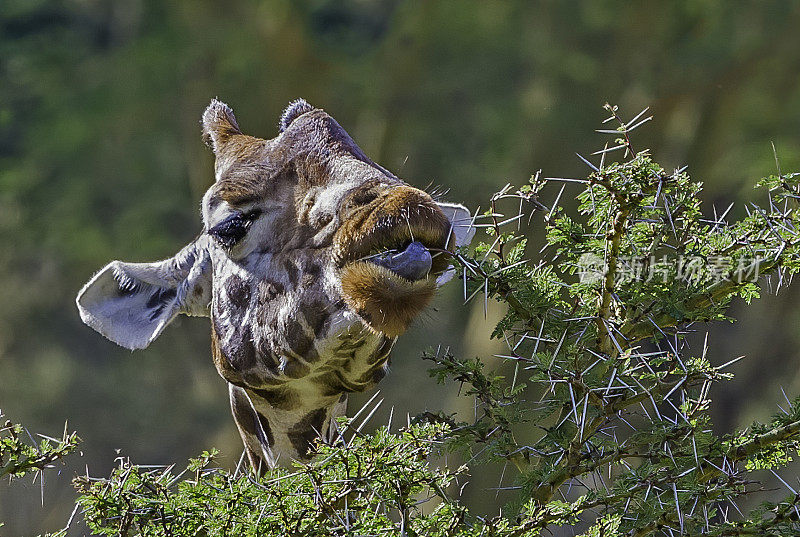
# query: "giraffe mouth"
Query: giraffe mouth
407,253
413,263
388,274
403,232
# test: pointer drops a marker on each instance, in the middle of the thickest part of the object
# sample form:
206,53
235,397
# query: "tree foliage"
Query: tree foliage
619,397
604,417
20,454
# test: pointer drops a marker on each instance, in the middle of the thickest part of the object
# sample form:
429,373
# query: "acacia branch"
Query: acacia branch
604,313
571,465
638,329
710,471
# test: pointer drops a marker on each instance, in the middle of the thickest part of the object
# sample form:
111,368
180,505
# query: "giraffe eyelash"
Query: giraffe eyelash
233,229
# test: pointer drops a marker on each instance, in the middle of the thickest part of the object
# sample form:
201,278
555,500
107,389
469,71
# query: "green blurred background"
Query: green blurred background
101,159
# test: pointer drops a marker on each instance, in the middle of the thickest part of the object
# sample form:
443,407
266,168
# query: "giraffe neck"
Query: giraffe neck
275,437
280,422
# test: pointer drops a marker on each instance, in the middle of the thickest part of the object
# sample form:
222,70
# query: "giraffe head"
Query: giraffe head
305,215
307,247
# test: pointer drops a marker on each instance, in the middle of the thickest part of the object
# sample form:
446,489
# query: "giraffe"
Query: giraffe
312,260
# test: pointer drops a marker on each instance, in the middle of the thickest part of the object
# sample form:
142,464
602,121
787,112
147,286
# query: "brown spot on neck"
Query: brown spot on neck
221,362
305,431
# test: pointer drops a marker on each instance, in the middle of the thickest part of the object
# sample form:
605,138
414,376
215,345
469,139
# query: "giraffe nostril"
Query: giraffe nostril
363,196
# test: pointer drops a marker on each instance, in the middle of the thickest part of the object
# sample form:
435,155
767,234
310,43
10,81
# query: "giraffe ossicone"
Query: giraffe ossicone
312,261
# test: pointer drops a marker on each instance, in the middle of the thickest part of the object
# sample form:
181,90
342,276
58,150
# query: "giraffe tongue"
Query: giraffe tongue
413,263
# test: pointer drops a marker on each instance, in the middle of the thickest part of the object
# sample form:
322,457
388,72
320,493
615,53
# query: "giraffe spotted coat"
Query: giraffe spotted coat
312,261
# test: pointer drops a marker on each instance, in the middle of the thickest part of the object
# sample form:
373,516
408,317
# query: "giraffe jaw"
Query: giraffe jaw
386,301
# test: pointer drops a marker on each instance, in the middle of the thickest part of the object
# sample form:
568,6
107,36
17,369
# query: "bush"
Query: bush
605,416
20,454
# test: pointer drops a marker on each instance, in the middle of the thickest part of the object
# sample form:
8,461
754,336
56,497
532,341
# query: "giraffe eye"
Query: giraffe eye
233,229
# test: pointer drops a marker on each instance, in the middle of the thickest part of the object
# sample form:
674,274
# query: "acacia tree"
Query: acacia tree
604,415
623,403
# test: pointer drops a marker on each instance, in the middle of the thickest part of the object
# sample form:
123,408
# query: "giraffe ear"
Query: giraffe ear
463,225
219,124
461,221
132,303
